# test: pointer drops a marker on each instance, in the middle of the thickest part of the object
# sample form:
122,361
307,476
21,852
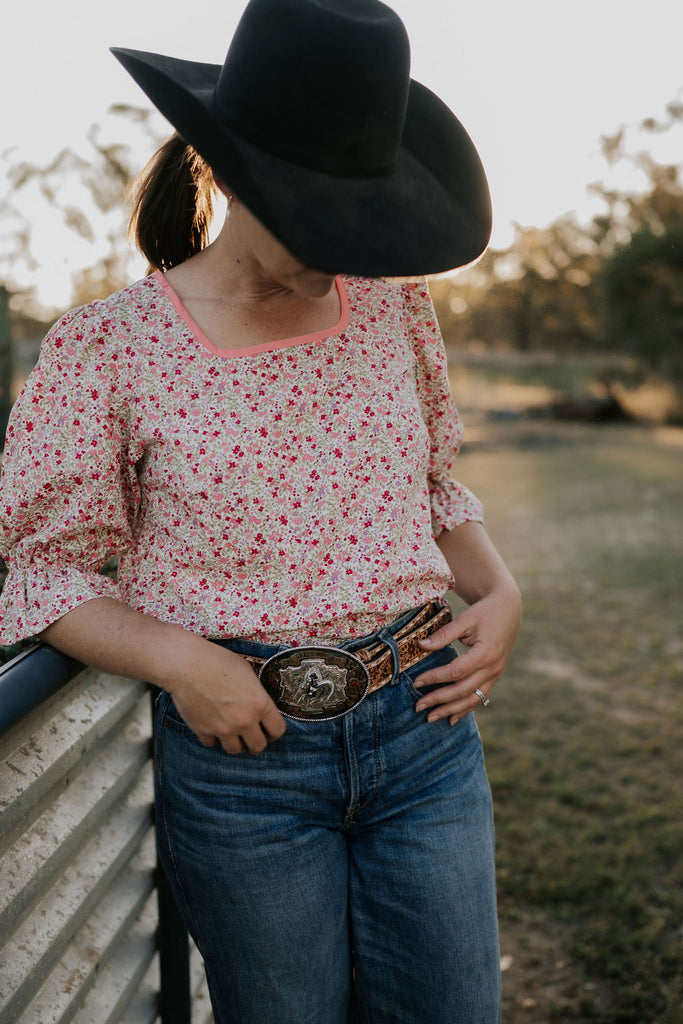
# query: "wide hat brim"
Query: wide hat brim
430,214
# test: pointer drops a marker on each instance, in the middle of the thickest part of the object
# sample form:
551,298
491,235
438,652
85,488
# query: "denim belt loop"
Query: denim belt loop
387,638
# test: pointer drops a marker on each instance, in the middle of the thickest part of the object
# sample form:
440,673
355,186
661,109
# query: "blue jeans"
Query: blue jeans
343,875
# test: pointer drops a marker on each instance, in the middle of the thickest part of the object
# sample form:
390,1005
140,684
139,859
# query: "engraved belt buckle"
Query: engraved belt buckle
315,684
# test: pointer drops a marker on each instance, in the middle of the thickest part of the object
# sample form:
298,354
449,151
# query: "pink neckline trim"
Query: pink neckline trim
266,346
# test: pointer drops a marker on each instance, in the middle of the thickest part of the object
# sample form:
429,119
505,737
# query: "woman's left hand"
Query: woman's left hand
488,627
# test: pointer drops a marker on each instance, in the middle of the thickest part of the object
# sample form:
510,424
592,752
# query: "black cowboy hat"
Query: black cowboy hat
315,125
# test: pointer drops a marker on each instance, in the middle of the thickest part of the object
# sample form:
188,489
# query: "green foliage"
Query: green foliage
642,289
536,296
613,285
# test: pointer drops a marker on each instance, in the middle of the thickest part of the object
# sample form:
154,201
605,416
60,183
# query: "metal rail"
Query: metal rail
43,695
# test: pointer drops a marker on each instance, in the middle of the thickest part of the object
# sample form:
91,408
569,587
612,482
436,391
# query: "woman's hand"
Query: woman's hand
215,690
223,702
488,627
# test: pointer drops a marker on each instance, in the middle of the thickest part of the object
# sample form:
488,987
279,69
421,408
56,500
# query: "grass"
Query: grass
520,381
584,739
569,374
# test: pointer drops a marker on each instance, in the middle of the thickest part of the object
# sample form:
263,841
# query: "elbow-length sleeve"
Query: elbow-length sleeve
68,492
451,503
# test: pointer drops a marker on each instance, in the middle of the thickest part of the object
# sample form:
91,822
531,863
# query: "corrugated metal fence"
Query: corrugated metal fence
87,935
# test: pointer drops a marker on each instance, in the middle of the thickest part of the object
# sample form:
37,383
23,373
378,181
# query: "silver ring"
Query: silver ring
483,698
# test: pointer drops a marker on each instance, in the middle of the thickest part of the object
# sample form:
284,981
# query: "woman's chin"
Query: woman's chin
315,284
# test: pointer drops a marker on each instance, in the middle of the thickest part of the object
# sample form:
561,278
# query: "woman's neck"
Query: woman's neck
237,303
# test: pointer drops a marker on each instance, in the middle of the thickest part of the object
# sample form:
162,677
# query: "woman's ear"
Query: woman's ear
225,190
220,185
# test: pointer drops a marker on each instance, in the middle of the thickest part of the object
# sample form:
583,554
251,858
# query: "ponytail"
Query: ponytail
172,205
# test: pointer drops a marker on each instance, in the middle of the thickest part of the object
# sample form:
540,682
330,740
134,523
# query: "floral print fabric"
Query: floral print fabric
281,494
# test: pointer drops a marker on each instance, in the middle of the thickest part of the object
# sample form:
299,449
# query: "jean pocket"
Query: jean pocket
168,715
437,659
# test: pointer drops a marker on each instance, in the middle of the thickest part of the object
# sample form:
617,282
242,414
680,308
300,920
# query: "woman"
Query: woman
262,431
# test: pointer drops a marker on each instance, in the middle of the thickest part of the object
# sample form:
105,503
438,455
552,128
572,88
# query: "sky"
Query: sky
535,82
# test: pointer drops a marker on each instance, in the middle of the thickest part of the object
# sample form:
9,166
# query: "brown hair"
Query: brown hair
171,205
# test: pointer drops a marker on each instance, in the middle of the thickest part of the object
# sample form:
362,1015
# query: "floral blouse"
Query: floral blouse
282,492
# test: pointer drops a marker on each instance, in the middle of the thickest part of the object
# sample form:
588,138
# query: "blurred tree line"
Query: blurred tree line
84,187
614,285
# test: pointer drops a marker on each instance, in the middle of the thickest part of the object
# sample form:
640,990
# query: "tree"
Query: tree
655,206
642,303
640,283
86,187
615,284
536,295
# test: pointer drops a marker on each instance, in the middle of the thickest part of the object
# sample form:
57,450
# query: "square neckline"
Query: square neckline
266,346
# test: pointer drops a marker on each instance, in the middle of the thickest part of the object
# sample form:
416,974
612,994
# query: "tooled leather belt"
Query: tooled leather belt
316,683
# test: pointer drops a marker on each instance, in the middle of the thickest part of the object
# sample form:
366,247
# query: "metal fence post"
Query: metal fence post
6,363
175,996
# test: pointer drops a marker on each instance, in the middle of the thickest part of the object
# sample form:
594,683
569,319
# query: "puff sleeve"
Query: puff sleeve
69,493
451,503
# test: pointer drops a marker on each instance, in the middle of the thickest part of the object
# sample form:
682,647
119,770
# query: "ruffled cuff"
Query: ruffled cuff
452,504
32,599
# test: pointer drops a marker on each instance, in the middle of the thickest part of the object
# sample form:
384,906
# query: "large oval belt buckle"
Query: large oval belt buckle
315,683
